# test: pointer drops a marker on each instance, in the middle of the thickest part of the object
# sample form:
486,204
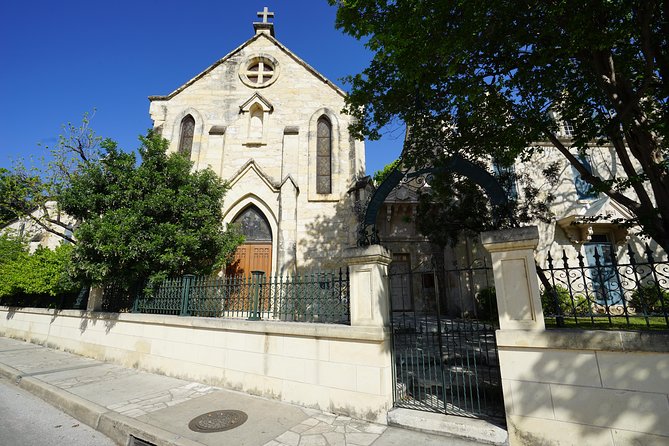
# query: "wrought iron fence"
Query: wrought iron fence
311,297
601,292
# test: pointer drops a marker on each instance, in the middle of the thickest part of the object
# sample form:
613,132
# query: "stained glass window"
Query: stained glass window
324,156
186,138
254,225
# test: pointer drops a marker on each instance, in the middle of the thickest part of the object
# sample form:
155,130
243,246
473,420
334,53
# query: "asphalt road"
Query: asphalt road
26,420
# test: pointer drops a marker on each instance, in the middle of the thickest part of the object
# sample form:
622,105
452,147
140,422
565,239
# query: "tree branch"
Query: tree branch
47,228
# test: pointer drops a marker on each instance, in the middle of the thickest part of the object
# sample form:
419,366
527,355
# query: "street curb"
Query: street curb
10,373
449,426
119,428
83,410
112,424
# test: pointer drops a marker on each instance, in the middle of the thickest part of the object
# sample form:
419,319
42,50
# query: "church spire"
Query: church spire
264,26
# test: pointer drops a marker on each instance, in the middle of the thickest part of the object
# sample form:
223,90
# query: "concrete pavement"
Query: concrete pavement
121,402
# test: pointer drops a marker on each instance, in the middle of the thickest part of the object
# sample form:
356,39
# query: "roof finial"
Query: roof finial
264,26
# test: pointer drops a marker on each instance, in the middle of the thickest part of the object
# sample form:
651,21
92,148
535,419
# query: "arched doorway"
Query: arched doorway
256,252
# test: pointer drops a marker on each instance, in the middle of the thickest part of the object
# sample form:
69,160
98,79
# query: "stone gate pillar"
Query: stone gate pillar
95,299
370,297
516,284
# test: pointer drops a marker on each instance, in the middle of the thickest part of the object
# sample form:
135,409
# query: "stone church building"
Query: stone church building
271,126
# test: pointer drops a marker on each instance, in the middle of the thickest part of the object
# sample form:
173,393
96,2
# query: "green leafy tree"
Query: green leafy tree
31,192
43,275
380,175
146,220
456,206
6,214
486,80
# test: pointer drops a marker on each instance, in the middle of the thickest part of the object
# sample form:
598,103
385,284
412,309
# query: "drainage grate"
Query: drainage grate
218,421
134,441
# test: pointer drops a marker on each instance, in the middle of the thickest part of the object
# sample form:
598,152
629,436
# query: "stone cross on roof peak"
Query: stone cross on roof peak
264,26
265,13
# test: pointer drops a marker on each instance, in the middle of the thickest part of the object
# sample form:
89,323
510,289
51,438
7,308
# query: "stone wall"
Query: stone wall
572,387
336,368
585,387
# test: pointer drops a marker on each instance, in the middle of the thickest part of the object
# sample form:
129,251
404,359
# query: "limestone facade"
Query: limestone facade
256,113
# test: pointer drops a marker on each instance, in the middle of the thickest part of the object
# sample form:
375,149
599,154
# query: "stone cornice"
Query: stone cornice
620,341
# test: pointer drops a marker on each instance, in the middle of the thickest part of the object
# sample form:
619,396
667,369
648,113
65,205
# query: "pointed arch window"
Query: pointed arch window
324,156
254,225
186,135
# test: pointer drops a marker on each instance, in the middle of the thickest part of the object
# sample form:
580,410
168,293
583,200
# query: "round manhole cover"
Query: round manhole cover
218,421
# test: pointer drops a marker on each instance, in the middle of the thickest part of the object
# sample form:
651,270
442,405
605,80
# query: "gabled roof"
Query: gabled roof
602,213
238,49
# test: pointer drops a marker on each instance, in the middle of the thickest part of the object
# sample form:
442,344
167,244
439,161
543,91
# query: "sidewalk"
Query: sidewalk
157,409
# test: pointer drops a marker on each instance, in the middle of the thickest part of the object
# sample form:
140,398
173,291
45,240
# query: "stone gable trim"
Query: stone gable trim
257,97
290,178
252,165
273,40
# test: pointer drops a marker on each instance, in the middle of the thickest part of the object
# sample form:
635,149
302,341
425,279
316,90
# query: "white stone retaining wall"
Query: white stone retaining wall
572,387
340,369
585,387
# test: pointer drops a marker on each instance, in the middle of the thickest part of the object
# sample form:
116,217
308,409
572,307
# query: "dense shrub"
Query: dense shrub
565,305
648,299
41,278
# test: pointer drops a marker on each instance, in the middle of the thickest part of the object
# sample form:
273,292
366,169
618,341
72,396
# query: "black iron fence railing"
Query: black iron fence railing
600,291
311,297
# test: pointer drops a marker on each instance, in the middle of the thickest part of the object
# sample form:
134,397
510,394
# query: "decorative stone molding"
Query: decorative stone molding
516,284
217,130
259,71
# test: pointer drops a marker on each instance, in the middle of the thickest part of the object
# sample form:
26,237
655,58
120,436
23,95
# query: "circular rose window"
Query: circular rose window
259,71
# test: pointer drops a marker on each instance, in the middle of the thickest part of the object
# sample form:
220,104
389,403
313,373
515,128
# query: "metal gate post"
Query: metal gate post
256,288
186,282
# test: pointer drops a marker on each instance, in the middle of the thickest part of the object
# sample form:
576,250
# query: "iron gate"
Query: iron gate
445,362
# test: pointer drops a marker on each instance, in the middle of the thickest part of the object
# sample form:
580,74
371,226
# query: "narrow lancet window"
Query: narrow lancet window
186,138
324,156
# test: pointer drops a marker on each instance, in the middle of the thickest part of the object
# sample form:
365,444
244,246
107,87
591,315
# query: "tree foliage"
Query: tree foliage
44,274
146,220
380,175
455,206
31,191
487,79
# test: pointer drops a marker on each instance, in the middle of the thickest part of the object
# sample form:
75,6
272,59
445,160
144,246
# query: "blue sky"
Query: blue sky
61,58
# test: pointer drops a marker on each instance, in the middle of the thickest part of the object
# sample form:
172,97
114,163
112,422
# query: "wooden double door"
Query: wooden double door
251,257
256,253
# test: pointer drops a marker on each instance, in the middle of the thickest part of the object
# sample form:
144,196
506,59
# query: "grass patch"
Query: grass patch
616,323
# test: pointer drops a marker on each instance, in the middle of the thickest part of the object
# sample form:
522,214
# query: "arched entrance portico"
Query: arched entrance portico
256,252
